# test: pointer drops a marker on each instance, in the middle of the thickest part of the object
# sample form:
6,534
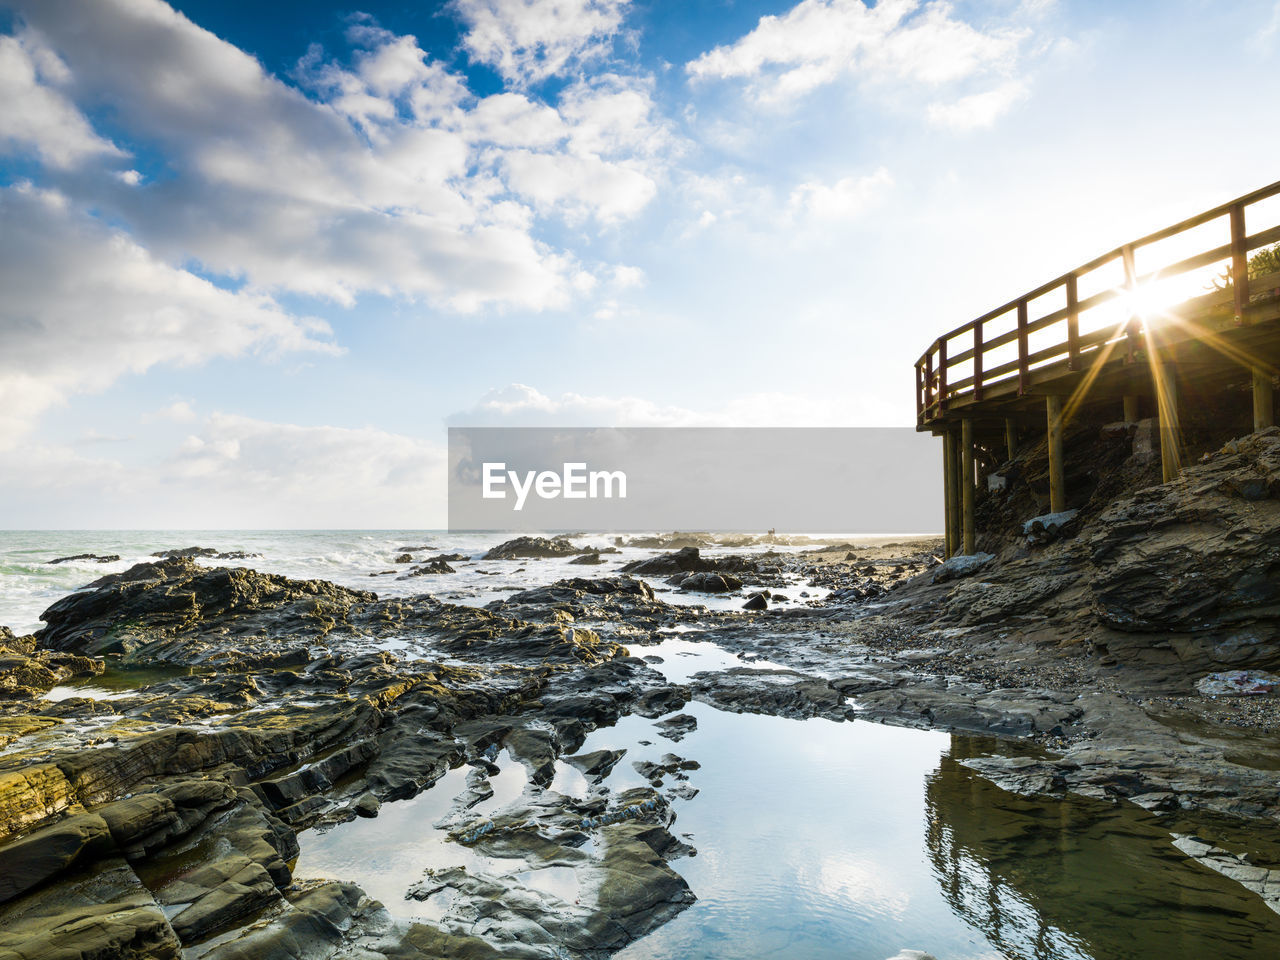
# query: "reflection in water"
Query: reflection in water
1078,878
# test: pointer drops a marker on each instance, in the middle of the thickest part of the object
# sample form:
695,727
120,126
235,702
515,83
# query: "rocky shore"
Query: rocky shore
162,819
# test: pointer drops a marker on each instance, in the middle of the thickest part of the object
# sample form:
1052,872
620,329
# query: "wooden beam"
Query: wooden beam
1131,408
957,535
966,481
1264,413
1011,436
1170,427
1057,474
1023,349
1239,262
948,480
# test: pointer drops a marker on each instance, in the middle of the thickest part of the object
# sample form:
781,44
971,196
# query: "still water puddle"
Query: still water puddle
844,841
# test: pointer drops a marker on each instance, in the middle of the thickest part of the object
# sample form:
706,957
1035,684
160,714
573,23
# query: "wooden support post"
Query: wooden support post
1239,262
966,481
953,438
1011,436
1130,409
1264,414
948,479
1057,475
1170,429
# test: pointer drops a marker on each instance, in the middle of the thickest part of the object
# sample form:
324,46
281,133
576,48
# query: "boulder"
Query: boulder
961,565
531,547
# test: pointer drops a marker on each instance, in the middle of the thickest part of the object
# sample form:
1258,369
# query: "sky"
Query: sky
256,258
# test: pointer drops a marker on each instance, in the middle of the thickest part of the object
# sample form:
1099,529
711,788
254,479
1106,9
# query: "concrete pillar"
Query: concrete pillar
1170,428
966,481
1057,474
1263,403
1011,436
1131,410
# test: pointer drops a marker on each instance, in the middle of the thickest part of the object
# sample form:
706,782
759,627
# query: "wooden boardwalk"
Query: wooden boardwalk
1130,329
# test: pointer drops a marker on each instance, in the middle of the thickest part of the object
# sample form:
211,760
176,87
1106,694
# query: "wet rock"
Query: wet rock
1235,683
1048,527
26,671
95,557
962,565
597,764
403,558
531,547
102,912
366,805
44,854
587,559
757,601
191,553
782,693
688,560
216,895
429,568
710,583
677,727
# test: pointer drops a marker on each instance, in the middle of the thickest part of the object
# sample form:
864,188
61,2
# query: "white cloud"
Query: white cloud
36,115
978,109
579,186
520,405
237,472
310,476
83,305
528,41
179,411
391,178
819,41
845,199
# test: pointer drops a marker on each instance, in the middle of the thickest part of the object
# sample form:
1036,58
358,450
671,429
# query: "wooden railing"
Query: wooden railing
1011,323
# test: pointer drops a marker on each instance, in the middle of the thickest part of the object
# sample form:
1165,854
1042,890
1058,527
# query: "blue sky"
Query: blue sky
254,264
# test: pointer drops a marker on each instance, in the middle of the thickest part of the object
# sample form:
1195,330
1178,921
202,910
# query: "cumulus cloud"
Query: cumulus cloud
383,175
847,198
84,305
819,41
978,109
520,405
308,475
238,472
527,41
36,115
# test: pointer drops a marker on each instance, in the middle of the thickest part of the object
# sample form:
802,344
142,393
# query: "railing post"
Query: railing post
1130,284
928,381
919,394
1073,324
942,374
1239,262
1023,351
977,360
